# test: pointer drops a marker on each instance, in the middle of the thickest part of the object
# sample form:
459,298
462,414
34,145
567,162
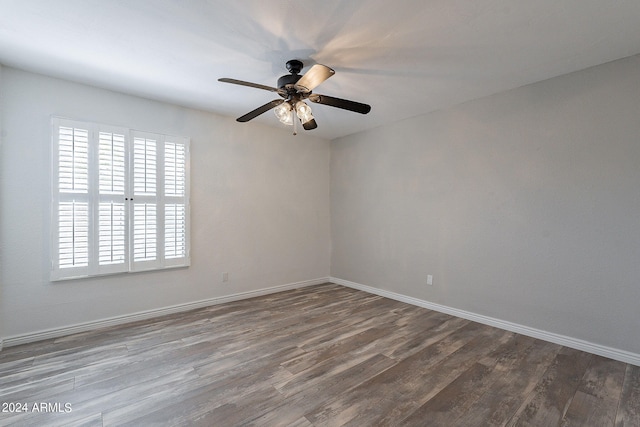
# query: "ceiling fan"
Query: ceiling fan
295,89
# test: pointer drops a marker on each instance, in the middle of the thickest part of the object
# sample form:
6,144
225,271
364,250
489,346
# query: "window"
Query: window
120,200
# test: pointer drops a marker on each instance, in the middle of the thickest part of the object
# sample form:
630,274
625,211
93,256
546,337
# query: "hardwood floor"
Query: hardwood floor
322,355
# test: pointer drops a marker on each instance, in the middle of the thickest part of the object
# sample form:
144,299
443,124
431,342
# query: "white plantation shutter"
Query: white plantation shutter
71,204
120,200
176,205
160,201
145,213
111,205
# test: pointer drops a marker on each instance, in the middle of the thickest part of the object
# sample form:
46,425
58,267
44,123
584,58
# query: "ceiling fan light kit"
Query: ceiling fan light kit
295,88
283,113
304,112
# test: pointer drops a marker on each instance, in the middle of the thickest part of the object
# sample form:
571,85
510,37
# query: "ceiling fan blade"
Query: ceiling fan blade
255,113
249,84
311,124
345,104
312,78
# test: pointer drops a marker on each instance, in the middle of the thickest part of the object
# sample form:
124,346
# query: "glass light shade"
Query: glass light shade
304,112
283,113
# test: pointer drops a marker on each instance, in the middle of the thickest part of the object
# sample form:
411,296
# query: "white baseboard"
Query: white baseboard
600,350
149,314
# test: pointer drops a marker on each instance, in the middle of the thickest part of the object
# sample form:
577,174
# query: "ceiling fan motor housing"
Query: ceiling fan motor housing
287,82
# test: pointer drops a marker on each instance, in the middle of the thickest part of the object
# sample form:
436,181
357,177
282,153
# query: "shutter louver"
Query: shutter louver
144,232
112,235
175,235
175,165
73,160
73,234
112,163
144,167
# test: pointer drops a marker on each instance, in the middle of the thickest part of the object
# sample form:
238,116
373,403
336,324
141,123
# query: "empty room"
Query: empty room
319,213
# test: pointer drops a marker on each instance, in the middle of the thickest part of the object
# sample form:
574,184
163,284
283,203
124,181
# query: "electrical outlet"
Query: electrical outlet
225,277
429,280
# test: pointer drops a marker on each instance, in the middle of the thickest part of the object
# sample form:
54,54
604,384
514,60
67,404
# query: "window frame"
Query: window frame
96,200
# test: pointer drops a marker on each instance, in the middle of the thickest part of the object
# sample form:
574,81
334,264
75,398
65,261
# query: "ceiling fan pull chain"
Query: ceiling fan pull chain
293,118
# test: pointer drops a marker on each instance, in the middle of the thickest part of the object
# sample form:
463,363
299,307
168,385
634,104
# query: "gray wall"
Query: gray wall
524,206
259,207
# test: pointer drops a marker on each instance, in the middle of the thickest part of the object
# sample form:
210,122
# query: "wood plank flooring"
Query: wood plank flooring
317,356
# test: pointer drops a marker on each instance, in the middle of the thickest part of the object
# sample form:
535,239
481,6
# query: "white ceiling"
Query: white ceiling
403,57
